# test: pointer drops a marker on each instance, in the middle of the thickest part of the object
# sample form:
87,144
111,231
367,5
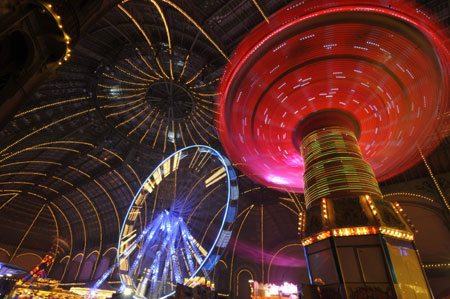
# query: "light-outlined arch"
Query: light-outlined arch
27,260
88,266
4,255
107,260
242,285
74,267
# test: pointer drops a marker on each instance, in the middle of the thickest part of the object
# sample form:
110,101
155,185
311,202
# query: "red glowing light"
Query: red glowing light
386,64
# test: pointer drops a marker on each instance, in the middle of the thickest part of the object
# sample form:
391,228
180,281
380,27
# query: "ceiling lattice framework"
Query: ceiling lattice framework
83,143
141,84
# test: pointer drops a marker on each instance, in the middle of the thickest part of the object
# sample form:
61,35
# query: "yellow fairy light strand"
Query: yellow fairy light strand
434,179
196,25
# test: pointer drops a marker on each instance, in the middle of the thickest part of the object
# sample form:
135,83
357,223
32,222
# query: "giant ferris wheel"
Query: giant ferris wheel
179,222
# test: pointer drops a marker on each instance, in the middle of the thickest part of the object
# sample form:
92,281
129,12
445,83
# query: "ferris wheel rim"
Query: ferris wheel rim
230,176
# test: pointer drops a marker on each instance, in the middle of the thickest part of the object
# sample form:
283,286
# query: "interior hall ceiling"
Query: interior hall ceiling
140,85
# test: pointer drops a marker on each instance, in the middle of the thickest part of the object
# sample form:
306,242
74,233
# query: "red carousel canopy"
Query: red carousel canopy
383,62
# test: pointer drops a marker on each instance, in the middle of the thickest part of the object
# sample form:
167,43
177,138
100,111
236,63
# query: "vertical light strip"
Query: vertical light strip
168,36
434,179
235,243
262,242
71,240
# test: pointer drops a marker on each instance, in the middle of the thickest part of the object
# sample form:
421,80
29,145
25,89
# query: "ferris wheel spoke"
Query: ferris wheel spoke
187,251
173,229
149,238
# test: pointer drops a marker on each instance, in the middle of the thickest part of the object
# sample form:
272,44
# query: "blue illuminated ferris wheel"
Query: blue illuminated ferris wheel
179,222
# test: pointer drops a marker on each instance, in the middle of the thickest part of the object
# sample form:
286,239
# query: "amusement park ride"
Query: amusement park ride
189,202
326,98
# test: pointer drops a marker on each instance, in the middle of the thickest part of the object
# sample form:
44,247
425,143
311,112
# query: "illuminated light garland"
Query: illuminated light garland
71,237
262,243
148,64
151,125
120,88
145,36
79,171
289,208
248,210
169,41
112,203
57,234
133,117
195,76
114,154
83,225
31,161
196,25
358,231
133,75
159,129
436,265
201,126
275,255
409,195
184,67
125,182
38,196
14,195
400,210
165,139
371,205
50,105
189,132
141,123
124,81
57,19
198,132
261,11
63,180
174,136
206,94
396,233
43,128
139,70
204,84
125,111
122,97
444,199
99,226
237,279
181,135
26,233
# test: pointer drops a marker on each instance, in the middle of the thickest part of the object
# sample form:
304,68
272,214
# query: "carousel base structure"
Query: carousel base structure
371,266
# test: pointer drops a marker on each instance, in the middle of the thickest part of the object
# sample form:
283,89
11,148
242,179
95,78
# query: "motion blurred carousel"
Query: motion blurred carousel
326,98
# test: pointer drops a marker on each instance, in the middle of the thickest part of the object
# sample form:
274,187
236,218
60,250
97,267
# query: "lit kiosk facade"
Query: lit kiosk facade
345,93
